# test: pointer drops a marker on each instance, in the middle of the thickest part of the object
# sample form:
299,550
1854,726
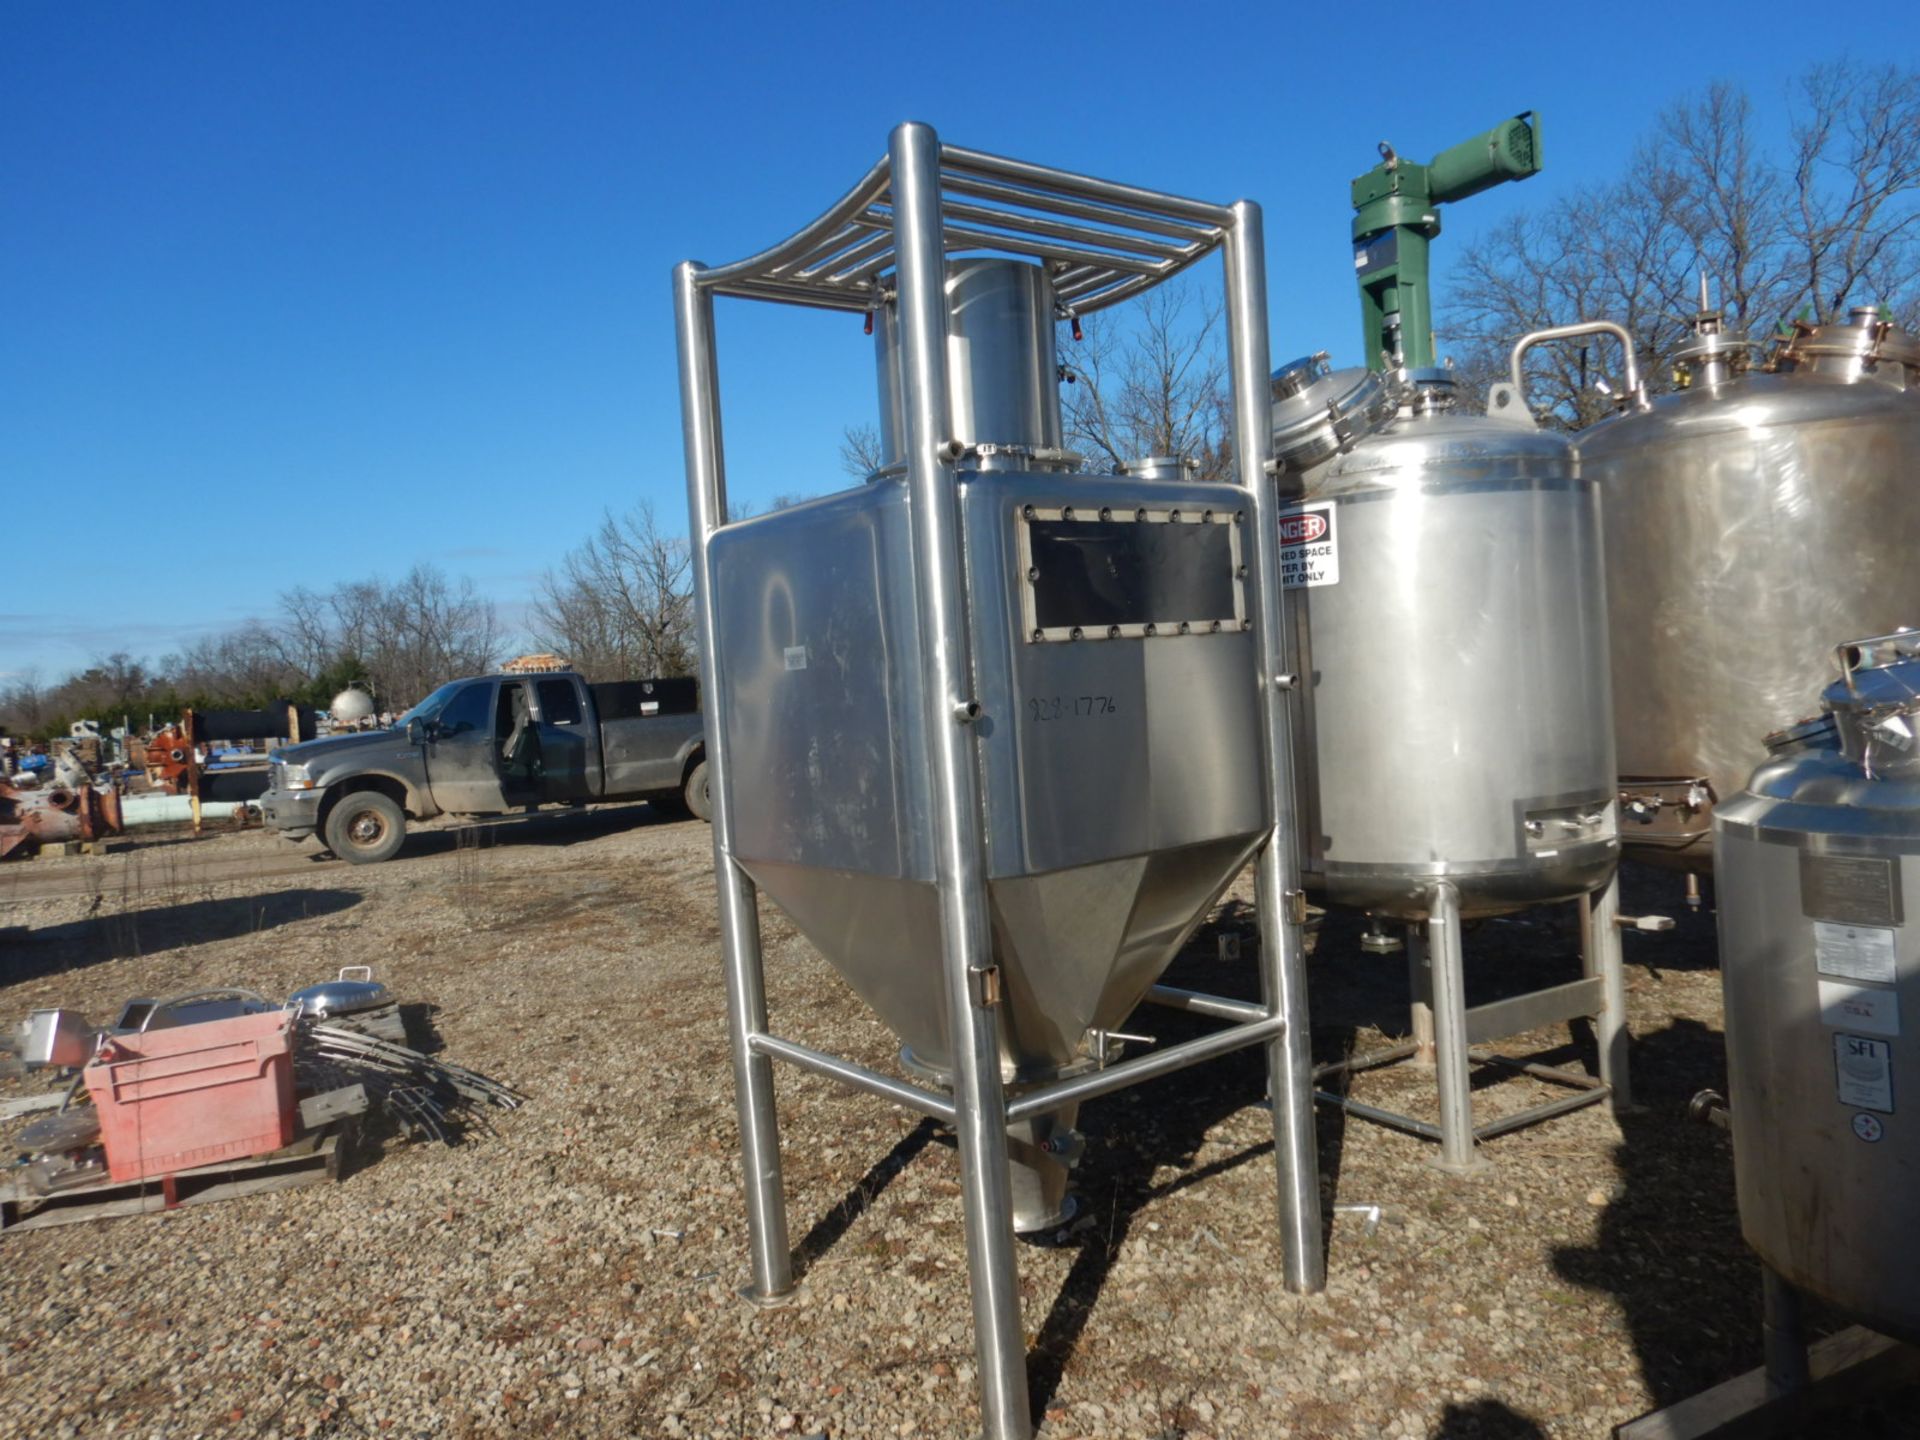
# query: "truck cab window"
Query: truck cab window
467,711
518,738
559,702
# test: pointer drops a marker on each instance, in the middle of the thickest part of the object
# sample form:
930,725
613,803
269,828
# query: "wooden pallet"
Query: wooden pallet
311,1160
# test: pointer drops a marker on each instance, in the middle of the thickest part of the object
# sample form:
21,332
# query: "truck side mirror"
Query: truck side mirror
416,731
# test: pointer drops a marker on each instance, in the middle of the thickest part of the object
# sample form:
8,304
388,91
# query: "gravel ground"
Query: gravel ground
573,1272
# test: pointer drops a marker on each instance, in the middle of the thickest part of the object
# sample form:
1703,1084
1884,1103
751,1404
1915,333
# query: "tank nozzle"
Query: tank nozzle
1710,1107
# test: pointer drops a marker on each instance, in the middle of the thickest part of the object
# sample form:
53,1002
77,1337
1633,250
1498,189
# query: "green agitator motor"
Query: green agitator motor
1396,214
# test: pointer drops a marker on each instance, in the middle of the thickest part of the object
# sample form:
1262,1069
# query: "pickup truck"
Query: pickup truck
488,746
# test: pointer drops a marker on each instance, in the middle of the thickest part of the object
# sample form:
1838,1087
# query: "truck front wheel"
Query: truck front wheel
366,827
697,794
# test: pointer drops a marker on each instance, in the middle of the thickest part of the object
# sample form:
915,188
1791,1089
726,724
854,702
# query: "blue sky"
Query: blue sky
298,294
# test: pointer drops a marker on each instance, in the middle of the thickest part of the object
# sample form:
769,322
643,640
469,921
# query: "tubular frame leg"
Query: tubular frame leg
1283,967
1283,985
753,1093
980,1101
1784,1335
1601,955
1420,1016
1450,1034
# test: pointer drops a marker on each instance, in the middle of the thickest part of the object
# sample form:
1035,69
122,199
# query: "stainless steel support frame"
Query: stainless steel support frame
1122,240
1451,1037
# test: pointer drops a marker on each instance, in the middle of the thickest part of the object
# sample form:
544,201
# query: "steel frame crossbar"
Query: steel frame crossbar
1445,1032
884,241
1041,1098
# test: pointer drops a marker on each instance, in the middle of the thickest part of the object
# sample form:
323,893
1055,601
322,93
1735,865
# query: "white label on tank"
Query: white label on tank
1856,1007
1863,1071
1856,952
796,657
1309,548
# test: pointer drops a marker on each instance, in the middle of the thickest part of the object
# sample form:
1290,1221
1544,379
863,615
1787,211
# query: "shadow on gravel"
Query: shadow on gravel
554,827
828,1229
1159,1124
422,1034
1486,1420
1670,1250
47,950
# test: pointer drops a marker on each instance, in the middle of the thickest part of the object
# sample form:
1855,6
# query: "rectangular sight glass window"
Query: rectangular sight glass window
1132,573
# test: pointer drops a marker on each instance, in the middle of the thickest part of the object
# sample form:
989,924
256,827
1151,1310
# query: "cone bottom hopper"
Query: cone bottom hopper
1121,796
994,733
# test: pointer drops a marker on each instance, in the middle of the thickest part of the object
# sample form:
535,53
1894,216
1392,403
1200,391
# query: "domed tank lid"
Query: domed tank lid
1878,671
1319,411
1876,703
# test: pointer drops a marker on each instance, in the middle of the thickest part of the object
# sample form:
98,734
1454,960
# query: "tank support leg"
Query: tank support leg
1784,1335
1420,974
1450,1033
1601,955
772,1260
753,1090
1283,961
1296,1151
966,938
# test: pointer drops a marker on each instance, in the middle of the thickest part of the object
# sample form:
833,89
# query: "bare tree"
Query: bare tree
423,631
860,452
23,704
1832,223
1151,380
621,605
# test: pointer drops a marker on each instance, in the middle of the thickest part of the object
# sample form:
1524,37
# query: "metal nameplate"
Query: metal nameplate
1851,889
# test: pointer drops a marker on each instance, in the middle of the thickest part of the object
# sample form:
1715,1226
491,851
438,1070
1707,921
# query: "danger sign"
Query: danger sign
1309,549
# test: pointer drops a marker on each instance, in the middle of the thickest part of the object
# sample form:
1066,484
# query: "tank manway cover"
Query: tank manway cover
1318,411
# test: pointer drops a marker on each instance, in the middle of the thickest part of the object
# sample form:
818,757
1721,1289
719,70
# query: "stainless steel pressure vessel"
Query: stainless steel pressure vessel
1445,578
1817,866
1749,517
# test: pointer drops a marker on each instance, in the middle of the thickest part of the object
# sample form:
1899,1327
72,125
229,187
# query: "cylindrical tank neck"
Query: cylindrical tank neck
1865,346
1003,376
1715,355
1428,390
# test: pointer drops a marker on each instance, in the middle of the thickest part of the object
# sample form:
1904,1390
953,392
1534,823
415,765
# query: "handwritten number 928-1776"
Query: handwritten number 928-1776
1069,707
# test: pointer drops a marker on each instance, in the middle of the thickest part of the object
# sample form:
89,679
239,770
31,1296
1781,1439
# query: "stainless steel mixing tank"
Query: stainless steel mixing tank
1750,517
